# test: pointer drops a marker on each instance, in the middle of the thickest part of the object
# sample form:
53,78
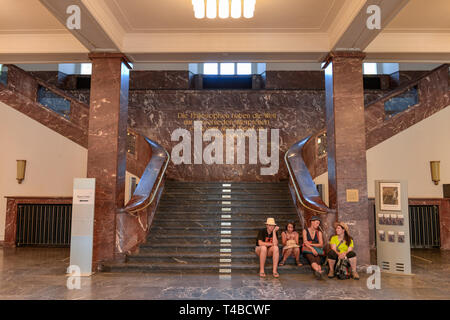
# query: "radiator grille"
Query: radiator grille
44,224
424,226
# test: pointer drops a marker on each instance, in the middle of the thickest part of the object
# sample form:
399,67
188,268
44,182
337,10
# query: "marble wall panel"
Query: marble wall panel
142,80
157,114
309,80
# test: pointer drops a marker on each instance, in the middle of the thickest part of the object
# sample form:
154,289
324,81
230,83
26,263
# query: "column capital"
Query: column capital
343,55
111,55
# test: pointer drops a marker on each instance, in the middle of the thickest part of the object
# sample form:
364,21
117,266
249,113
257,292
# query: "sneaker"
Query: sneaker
355,275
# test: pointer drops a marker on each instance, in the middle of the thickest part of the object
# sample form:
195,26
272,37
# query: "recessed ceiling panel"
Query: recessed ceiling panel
422,16
27,16
270,15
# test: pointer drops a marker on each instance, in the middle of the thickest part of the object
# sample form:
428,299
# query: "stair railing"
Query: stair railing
150,182
305,189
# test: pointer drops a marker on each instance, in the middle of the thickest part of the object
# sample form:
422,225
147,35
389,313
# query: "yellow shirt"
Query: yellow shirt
343,247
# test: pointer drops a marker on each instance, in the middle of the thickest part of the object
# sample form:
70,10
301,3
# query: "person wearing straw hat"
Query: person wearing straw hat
267,246
341,247
289,239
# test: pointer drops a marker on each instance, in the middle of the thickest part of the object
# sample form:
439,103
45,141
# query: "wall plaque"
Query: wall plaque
352,195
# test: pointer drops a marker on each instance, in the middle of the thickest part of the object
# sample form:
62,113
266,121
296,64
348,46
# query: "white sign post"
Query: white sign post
82,225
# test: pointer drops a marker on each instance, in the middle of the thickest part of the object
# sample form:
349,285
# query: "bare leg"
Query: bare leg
331,263
355,274
316,267
353,263
297,256
261,251
286,254
274,251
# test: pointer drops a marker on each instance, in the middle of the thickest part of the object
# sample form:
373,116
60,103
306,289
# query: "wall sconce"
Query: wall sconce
435,171
21,165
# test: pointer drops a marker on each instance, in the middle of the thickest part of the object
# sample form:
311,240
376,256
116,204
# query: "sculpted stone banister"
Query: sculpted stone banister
404,87
304,186
150,181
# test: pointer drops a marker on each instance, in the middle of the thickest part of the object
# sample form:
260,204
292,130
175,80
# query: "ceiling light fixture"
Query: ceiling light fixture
225,8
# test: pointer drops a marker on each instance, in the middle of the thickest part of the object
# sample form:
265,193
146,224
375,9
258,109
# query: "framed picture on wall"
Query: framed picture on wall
390,196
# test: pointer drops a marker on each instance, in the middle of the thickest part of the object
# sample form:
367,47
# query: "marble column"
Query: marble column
107,146
347,168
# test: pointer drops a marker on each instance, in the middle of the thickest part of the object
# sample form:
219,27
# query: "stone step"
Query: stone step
219,209
202,236
234,197
223,191
201,232
171,223
201,268
215,216
236,240
226,202
224,184
202,257
151,247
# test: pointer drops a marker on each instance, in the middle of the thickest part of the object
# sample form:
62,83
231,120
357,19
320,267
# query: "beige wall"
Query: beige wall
53,161
407,156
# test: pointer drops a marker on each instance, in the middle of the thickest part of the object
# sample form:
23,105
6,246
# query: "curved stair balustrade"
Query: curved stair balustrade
307,198
46,104
415,101
150,181
135,219
433,96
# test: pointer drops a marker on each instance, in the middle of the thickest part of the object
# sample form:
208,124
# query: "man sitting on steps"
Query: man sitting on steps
267,246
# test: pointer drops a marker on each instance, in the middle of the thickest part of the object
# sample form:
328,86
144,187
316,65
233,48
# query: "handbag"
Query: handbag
342,269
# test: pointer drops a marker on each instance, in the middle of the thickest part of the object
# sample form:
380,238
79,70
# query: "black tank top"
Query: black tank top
316,238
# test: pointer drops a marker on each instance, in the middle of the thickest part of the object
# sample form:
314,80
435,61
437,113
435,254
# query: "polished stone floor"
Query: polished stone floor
37,273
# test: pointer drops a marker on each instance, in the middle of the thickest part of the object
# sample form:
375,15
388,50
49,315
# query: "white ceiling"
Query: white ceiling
270,15
167,31
422,16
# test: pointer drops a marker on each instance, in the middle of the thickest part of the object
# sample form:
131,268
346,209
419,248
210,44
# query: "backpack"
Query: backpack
342,269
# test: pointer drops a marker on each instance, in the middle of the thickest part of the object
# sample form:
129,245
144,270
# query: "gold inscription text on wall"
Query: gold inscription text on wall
223,121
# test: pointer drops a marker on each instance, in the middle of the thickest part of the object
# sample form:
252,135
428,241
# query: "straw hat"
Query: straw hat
271,222
291,244
341,224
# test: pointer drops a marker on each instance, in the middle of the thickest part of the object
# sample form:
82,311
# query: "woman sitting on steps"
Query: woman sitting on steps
342,247
289,239
313,246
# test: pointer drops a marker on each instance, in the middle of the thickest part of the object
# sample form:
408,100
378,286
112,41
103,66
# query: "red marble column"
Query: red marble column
107,146
346,143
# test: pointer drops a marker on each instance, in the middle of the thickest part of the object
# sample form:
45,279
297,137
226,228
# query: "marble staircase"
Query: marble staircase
210,227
